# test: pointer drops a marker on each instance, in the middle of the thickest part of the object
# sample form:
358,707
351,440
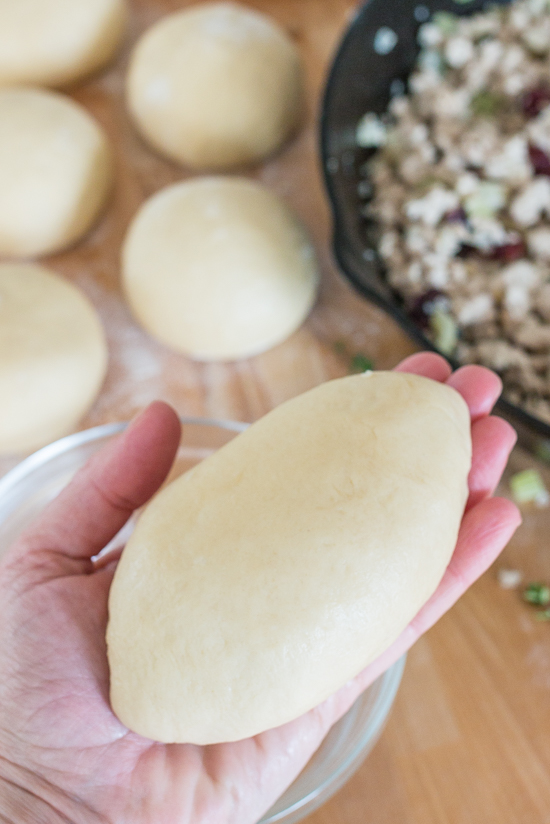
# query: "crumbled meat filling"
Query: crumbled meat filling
461,192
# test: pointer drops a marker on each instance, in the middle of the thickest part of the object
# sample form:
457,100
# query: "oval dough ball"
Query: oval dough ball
260,582
215,86
55,42
55,171
53,356
219,268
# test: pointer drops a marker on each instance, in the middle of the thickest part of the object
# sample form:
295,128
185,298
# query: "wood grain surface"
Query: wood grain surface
468,740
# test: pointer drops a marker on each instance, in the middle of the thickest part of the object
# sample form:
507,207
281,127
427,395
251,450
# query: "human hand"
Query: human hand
64,757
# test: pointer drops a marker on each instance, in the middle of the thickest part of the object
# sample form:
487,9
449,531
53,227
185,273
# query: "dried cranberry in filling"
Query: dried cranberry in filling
426,304
508,252
456,216
535,100
539,160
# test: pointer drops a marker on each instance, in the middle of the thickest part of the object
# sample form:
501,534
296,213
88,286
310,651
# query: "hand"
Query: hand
63,754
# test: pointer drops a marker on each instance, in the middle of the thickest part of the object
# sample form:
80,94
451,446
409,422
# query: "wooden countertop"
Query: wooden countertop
468,740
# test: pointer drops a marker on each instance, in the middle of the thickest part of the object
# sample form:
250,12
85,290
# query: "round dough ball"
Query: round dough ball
53,356
219,268
215,86
260,582
55,171
55,42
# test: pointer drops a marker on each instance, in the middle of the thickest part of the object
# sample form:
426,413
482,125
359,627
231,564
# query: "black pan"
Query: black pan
362,80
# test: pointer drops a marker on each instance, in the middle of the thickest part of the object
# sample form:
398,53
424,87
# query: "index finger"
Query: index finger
479,386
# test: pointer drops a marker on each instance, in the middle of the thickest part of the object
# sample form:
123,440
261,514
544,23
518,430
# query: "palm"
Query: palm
62,644
55,718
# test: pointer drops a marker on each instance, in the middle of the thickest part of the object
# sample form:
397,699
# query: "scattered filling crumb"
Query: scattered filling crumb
527,487
509,578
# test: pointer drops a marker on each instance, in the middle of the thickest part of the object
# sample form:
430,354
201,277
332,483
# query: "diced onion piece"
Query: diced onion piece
445,331
486,201
528,487
371,132
446,22
509,578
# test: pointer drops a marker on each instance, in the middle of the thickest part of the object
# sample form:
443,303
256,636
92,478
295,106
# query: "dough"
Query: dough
261,581
55,171
53,356
215,86
55,42
219,268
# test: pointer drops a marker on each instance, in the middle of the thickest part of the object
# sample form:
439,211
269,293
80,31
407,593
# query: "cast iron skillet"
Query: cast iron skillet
362,80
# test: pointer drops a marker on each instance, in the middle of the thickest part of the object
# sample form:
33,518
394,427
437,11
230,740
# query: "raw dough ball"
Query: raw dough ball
55,171
215,86
219,268
55,42
258,583
53,356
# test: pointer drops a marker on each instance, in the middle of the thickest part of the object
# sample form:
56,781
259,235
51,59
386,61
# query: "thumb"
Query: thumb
99,500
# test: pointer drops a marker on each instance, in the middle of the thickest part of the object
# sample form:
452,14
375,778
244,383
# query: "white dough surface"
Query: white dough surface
261,581
215,85
53,356
56,42
55,171
219,268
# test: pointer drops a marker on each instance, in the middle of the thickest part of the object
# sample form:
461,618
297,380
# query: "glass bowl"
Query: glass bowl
26,490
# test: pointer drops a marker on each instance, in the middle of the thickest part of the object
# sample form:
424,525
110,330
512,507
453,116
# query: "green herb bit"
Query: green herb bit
444,330
360,363
488,104
538,594
423,186
528,487
339,347
543,615
446,22
542,451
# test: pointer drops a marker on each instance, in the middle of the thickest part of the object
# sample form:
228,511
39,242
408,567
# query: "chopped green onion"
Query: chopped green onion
339,347
360,363
528,487
543,615
445,331
488,104
538,594
423,186
542,451
445,21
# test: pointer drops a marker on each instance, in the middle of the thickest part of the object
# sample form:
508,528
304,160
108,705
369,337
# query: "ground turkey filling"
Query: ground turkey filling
461,183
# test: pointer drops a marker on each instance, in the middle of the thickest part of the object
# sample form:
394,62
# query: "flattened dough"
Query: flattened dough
55,171
258,583
216,85
219,268
53,356
56,42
